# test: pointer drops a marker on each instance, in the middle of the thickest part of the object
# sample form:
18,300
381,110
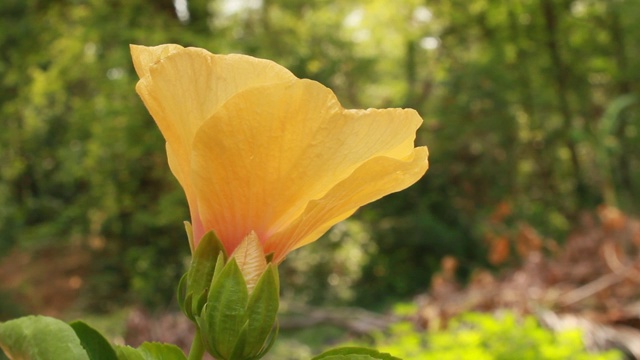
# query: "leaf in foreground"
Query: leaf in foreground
40,338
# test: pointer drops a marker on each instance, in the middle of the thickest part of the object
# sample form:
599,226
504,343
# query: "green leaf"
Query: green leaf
40,338
354,353
128,353
225,312
611,115
150,351
262,310
93,342
158,351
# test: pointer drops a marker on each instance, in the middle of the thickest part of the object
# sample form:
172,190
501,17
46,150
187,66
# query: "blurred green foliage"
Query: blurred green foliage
480,336
532,103
487,337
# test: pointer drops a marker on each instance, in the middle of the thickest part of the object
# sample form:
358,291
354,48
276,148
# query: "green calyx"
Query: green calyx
236,324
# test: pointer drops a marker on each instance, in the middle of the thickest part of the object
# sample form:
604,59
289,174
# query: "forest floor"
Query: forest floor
591,282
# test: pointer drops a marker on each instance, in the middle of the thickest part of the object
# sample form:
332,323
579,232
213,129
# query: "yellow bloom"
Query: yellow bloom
258,150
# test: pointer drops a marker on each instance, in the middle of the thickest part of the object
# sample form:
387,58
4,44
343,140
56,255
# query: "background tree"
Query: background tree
529,106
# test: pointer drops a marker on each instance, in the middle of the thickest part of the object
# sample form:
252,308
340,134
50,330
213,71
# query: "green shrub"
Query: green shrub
486,337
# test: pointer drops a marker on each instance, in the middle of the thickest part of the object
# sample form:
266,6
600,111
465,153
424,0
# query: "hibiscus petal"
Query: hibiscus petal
146,56
183,87
270,150
374,179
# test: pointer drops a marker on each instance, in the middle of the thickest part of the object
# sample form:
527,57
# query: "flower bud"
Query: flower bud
236,324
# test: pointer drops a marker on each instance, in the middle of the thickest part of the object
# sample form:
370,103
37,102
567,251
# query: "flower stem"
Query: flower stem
197,349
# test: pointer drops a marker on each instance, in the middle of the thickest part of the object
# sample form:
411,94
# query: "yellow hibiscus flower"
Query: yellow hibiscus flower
258,150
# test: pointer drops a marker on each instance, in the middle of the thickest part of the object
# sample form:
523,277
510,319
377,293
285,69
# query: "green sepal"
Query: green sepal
189,229
96,346
204,262
204,329
182,296
271,339
150,351
239,348
40,338
200,302
354,353
269,257
225,312
220,263
262,310
187,309
209,252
